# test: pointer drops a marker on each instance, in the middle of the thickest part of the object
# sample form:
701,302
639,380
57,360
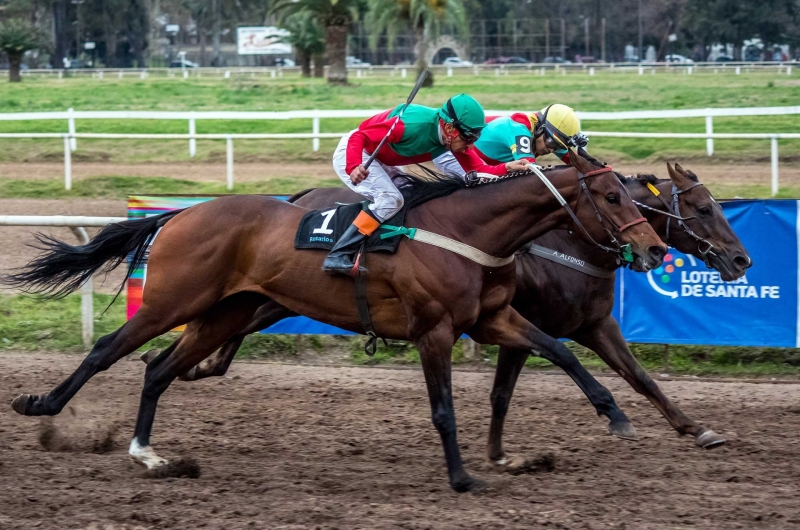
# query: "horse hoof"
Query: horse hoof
149,355
146,456
20,404
708,439
469,484
31,405
624,430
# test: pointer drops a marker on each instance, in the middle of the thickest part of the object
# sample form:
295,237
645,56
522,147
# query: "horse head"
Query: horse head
709,235
609,215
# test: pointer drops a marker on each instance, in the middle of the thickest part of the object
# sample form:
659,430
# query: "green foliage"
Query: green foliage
429,18
17,36
773,21
305,34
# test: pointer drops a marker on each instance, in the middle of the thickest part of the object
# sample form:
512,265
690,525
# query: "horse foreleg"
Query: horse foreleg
507,328
202,336
509,365
435,349
607,341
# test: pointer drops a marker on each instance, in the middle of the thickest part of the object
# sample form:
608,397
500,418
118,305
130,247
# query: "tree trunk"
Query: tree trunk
336,45
319,66
305,63
60,34
216,60
422,48
14,61
202,38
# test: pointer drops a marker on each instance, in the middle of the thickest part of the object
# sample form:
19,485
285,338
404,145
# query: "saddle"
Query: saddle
321,229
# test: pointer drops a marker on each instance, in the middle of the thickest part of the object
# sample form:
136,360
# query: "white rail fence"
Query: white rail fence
71,136
406,71
78,226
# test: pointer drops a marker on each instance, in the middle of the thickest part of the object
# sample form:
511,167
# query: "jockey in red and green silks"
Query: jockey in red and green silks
423,134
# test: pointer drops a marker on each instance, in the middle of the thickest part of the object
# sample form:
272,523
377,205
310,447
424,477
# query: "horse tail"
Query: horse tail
63,268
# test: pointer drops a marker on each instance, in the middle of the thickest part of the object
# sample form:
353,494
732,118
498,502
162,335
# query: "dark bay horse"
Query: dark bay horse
565,302
213,265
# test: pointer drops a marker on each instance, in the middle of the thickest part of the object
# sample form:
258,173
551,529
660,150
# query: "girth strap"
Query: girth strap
571,262
360,281
462,249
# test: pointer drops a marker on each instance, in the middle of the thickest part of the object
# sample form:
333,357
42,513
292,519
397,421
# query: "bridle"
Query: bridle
623,252
674,212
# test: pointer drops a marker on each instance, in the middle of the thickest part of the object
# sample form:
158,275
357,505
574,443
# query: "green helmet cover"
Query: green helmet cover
468,112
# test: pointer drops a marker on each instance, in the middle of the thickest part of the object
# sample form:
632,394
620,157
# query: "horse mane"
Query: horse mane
418,189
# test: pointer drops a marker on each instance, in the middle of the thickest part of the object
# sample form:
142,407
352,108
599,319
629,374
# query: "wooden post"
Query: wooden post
563,38
666,356
547,37
586,34
603,39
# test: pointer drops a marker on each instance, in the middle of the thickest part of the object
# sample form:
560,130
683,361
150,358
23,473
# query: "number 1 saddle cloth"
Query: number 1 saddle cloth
320,229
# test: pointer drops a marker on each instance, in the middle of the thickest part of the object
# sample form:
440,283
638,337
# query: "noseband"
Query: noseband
674,212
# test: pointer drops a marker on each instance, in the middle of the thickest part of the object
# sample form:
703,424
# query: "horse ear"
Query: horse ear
580,163
676,174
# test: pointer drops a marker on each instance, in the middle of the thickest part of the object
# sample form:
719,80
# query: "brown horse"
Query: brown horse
213,265
564,302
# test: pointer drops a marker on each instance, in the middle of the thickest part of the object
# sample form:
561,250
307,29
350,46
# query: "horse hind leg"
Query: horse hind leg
144,326
202,336
218,363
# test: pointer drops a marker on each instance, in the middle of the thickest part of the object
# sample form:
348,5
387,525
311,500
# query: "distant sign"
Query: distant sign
172,28
262,40
89,45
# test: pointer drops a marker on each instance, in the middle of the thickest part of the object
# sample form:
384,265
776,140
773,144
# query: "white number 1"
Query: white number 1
324,228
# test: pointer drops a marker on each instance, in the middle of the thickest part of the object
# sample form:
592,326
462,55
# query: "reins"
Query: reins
674,212
623,251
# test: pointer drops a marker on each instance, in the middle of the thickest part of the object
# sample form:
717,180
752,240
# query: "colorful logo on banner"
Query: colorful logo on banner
687,276
683,302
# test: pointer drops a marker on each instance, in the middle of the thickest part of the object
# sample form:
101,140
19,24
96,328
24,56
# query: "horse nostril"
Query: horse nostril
657,253
742,262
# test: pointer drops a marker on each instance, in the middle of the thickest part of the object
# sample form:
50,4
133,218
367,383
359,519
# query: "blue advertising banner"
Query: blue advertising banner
683,302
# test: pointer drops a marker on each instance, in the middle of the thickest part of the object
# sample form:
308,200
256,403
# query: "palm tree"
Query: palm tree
426,17
335,16
16,37
306,38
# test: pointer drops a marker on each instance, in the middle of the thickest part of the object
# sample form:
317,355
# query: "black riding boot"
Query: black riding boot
340,258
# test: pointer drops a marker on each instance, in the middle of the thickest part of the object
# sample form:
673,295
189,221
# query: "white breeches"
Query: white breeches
447,164
377,187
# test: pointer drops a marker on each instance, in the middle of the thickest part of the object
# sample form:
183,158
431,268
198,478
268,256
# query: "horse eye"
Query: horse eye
704,211
612,198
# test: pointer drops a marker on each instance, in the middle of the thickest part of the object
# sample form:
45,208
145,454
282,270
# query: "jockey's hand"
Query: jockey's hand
517,165
358,175
581,140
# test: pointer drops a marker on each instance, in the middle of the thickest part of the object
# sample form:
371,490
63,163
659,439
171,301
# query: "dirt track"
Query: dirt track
303,447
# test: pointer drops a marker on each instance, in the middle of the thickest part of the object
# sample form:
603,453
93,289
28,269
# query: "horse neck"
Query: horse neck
500,218
640,193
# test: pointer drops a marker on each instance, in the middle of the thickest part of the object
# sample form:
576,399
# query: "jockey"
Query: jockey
421,135
554,129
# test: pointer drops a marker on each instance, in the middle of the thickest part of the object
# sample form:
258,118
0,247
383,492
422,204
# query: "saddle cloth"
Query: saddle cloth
320,229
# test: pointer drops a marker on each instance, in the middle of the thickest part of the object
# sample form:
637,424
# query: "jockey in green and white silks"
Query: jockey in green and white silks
525,137
423,134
